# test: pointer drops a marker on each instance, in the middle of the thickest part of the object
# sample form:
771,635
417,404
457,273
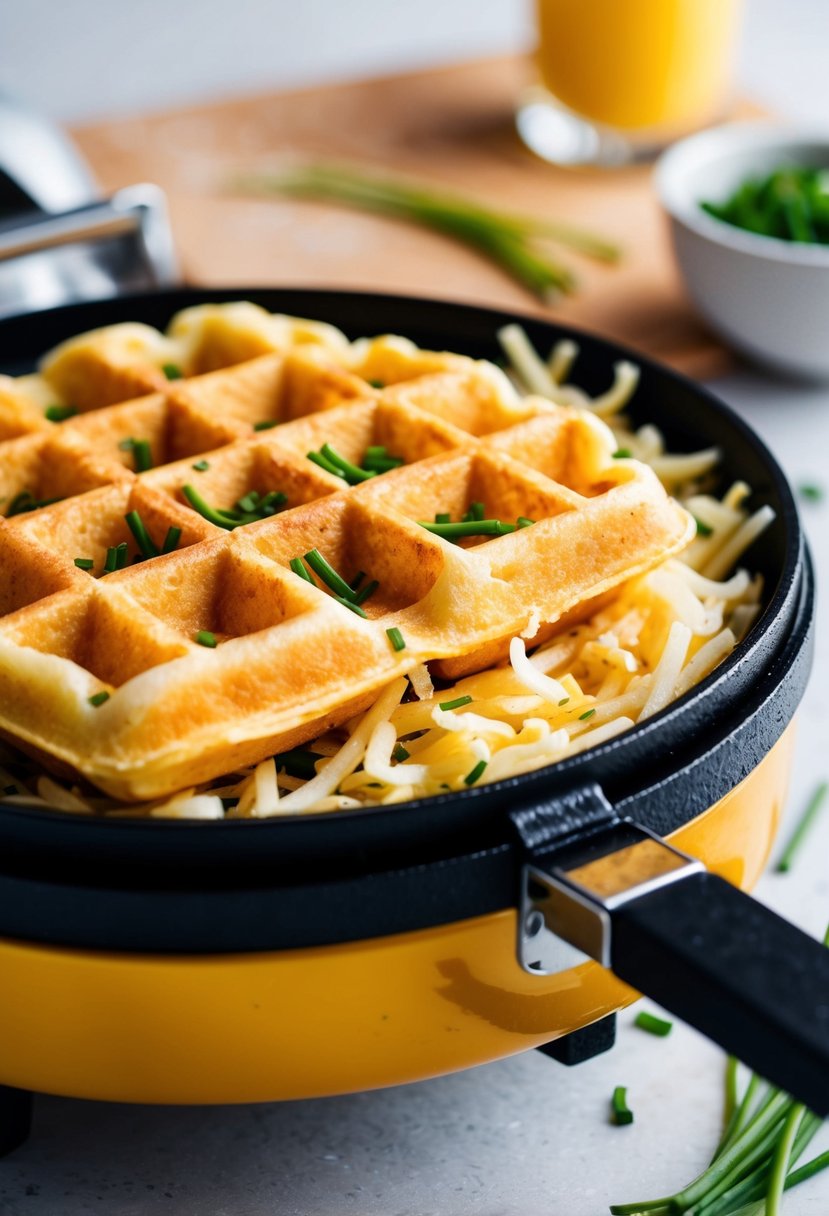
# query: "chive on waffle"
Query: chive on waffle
222,540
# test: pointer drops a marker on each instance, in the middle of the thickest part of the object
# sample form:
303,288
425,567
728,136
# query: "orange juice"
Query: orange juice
638,64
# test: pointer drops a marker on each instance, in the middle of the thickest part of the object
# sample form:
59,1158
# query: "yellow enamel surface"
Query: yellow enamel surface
300,1023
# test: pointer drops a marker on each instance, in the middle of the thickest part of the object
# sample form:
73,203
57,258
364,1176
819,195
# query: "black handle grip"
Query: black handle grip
742,975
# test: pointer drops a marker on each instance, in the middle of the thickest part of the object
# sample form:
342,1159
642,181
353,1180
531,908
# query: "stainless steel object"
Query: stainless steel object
59,241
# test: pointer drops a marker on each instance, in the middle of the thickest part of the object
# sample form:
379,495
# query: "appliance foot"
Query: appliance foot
15,1118
581,1045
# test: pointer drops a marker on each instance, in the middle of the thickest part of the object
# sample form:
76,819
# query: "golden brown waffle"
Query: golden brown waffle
101,673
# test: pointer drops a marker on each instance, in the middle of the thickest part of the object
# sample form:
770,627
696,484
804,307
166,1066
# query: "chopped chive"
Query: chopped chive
298,762
121,555
84,563
329,575
443,517
377,383
456,704
476,772
503,529
205,638
325,464
25,501
248,503
653,1024
266,424
172,371
396,638
375,451
142,536
349,471
171,539
564,701
59,413
142,455
811,492
703,529
523,522
201,466
466,527
588,713
477,510
220,519
111,559
297,566
620,1113
350,604
622,454
357,580
400,754
366,592
98,698
802,828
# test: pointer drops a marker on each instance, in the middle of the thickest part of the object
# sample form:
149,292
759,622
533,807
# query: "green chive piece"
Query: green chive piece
396,638
171,539
802,828
477,771
375,451
25,501
466,527
325,464
59,413
142,537
172,371
811,492
587,714
329,575
248,503
266,424
456,704
366,592
653,1024
98,698
443,517
564,701
298,762
111,559
205,638
377,383
121,555
142,455
620,1113
622,454
201,466
355,584
220,519
703,529
477,510
523,522
400,754
349,471
84,563
297,566
350,604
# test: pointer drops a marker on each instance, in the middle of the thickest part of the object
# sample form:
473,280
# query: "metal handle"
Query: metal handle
718,959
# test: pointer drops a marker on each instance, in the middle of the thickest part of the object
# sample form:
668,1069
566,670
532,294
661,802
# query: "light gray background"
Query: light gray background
523,1137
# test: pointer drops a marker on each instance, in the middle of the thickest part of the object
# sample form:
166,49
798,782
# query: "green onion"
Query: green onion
653,1024
297,566
802,828
357,580
201,466
811,492
171,539
620,1113
263,506
467,527
350,604
588,713
377,383
24,502
298,762
329,575
205,638
59,413
472,776
84,563
98,698
400,754
266,424
146,545
456,704
622,454
352,474
366,592
325,464
396,638
172,371
523,522
443,517
141,453
790,204
703,529
502,237
116,557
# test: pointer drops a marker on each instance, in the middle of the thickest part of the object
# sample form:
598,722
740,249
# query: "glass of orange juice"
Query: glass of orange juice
622,78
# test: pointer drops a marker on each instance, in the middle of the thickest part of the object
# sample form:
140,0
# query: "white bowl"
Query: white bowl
769,298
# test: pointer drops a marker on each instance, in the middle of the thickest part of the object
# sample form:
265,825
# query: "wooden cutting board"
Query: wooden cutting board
452,126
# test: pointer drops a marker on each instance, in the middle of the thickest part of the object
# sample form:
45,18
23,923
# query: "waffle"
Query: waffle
107,675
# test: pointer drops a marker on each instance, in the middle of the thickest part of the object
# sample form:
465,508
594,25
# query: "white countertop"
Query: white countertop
525,1136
